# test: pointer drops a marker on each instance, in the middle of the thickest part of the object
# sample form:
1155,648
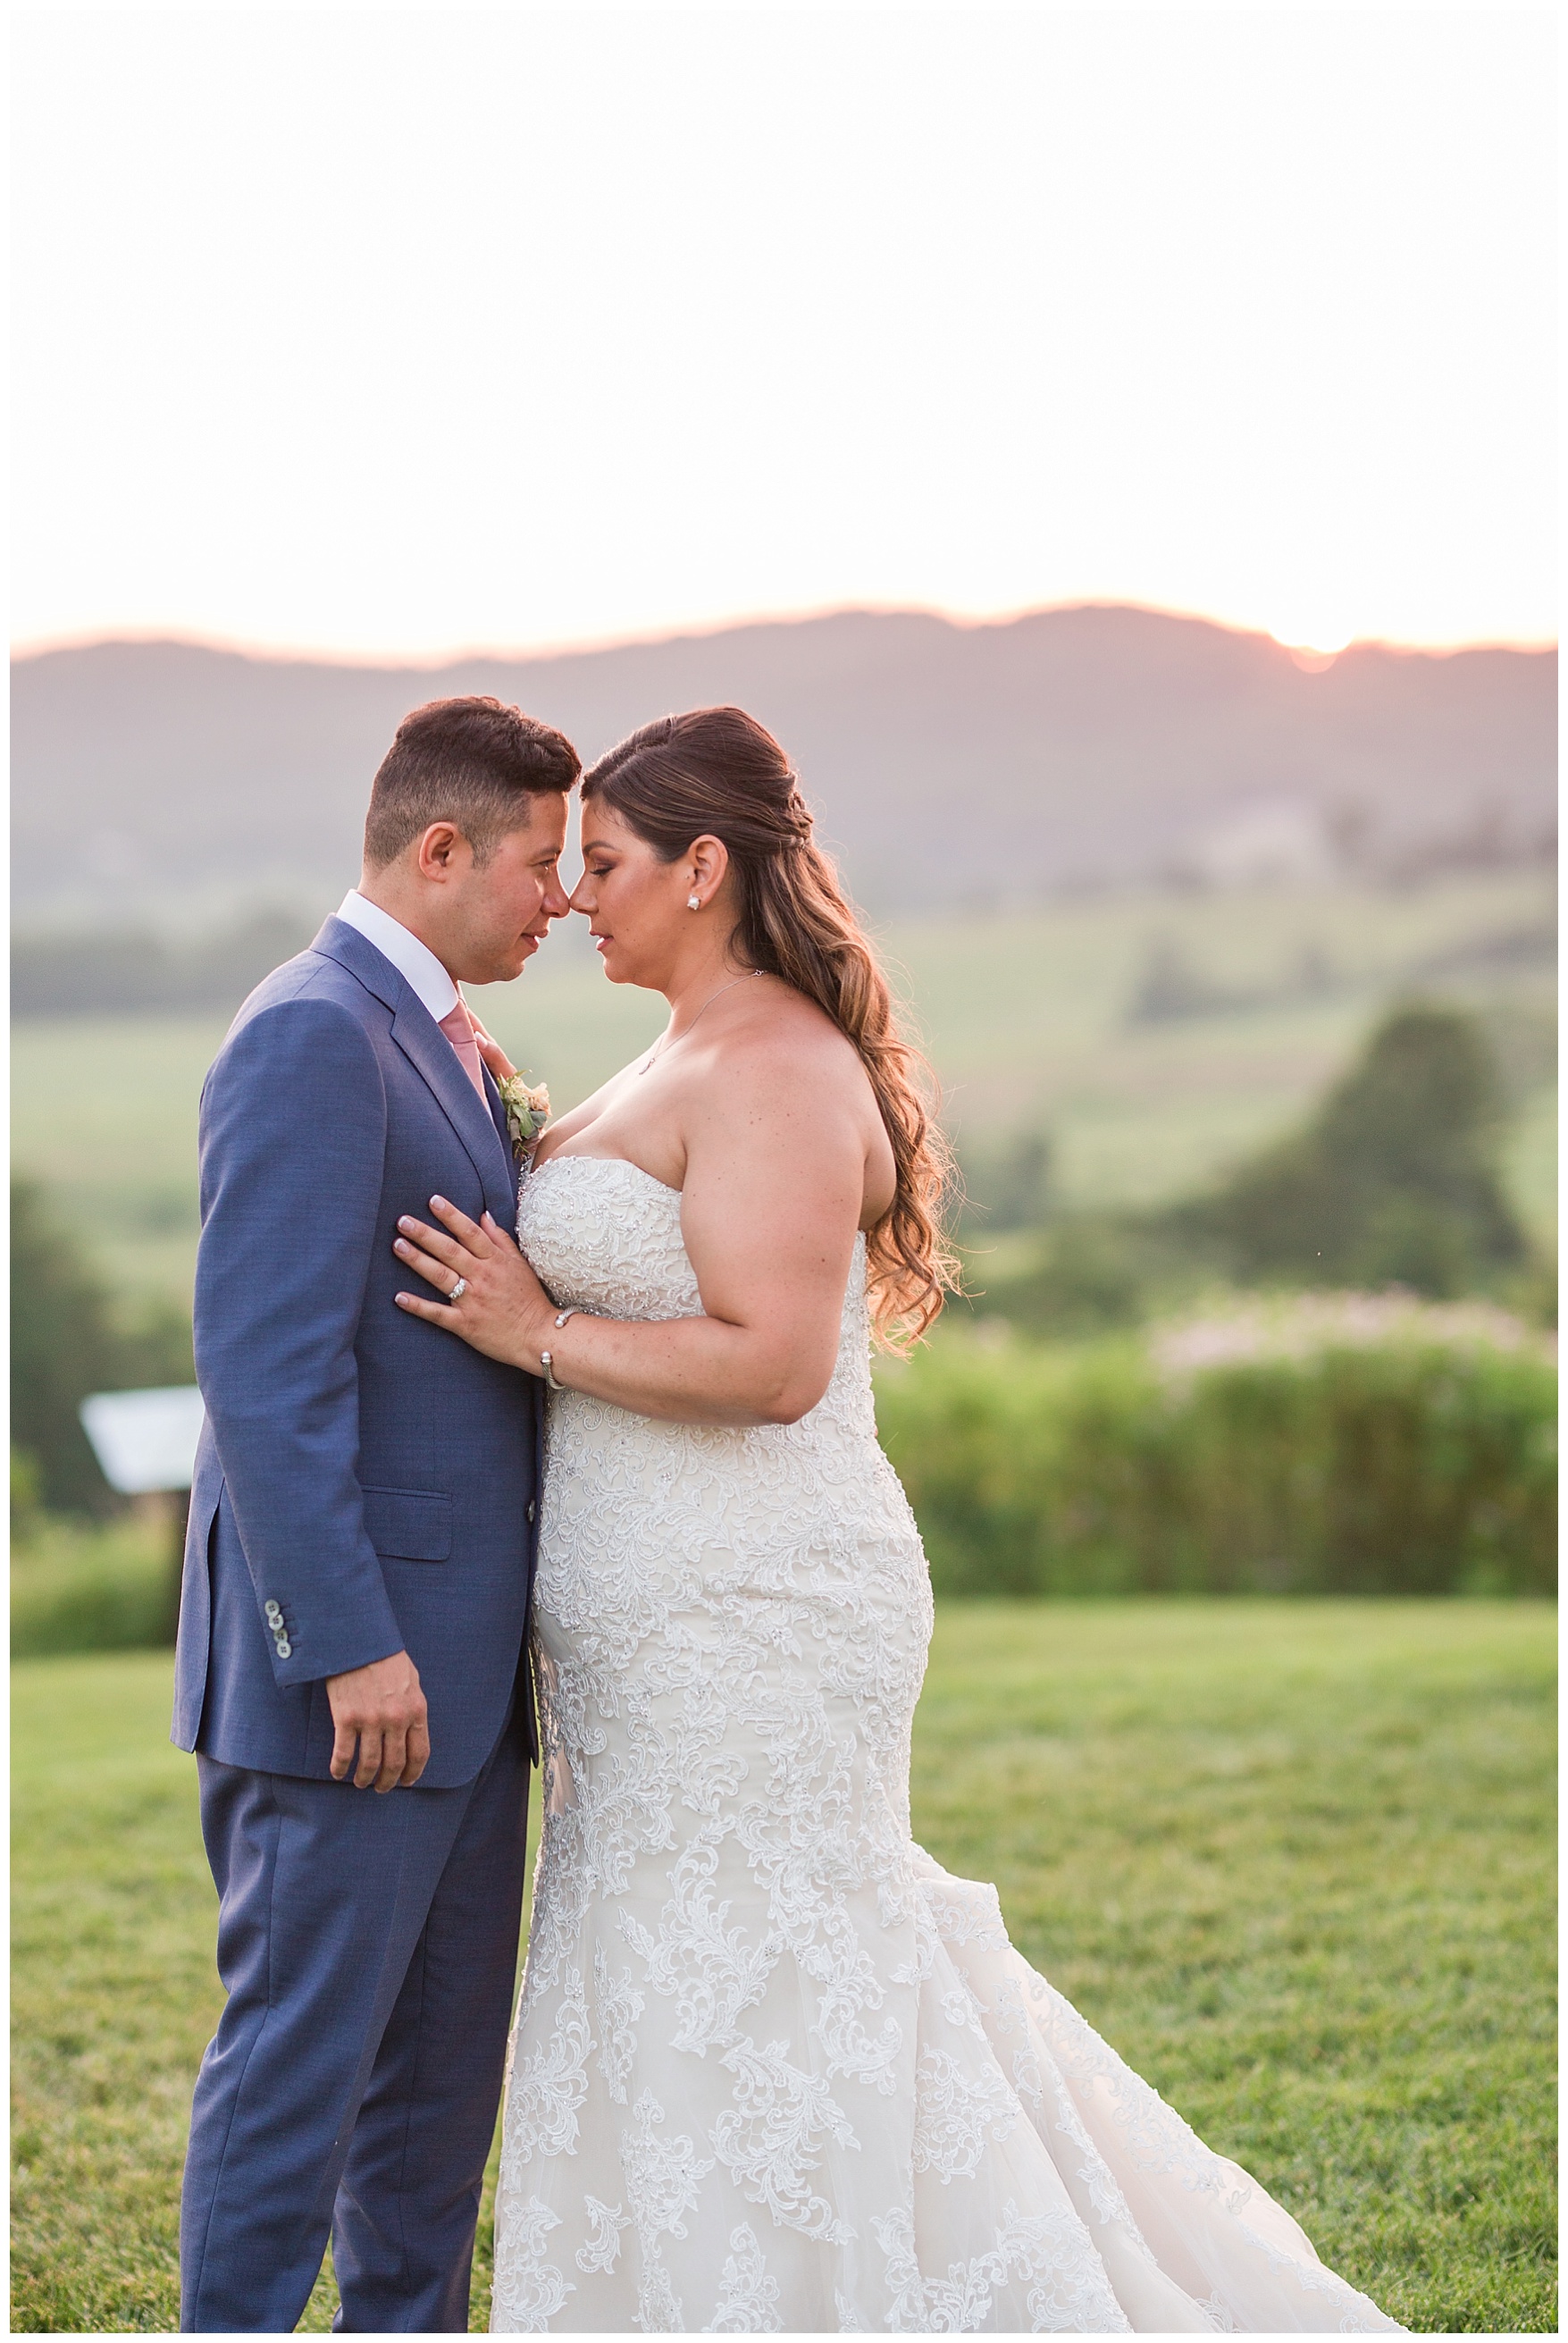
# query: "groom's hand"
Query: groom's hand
382,1708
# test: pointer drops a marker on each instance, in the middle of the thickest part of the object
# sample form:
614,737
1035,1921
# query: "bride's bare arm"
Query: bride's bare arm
775,1177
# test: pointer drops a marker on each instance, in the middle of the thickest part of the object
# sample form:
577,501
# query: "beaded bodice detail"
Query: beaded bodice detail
605,1235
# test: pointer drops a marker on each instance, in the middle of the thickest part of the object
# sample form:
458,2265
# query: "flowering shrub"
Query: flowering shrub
1336,1444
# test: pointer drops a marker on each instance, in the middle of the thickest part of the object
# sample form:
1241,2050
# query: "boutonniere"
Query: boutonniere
528,1111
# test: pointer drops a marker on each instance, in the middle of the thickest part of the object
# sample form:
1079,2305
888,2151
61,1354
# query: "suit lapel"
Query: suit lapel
428,1049
498,1112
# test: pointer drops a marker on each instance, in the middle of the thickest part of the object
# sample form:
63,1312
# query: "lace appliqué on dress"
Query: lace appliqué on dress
773,2069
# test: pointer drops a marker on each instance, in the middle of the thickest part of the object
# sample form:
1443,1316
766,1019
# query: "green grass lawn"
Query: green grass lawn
1024,1013
1293,1860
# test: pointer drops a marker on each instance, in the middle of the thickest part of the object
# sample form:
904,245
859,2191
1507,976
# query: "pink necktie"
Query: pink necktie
458,1026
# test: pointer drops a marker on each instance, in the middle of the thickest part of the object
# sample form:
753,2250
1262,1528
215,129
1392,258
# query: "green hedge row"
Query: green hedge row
101,1588
1399,1469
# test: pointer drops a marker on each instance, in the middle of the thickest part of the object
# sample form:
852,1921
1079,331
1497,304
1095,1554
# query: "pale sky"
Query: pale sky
405,331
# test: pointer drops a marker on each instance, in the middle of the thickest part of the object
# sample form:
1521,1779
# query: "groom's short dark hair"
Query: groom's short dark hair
473,762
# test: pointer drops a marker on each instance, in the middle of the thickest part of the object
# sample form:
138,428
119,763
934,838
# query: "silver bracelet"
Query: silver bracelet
546,1359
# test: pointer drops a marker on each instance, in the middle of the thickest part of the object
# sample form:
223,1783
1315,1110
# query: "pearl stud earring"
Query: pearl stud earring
693,903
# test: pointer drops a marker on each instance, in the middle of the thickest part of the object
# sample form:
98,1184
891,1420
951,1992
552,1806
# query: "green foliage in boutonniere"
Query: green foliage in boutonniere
528,1111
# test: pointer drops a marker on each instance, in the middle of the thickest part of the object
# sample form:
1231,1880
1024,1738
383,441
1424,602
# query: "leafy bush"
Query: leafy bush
1085,1273
66,1341
26,1500
79,1589
1412,1466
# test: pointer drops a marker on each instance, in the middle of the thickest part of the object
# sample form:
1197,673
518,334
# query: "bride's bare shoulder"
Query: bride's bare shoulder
785,1020
784,1045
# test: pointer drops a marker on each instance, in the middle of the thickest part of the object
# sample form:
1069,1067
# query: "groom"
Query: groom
351,1670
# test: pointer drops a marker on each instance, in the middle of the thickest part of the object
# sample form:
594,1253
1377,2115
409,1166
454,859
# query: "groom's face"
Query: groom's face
498,911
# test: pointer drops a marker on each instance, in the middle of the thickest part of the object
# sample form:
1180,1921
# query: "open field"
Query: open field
1293,1859
1025,1015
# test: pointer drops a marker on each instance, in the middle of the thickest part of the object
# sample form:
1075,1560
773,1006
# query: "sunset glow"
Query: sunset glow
1313,640
394,332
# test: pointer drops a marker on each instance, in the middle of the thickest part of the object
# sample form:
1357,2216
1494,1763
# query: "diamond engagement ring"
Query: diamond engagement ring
458,1289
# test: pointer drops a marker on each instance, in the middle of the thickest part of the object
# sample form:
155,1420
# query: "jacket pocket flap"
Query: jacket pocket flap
409,1524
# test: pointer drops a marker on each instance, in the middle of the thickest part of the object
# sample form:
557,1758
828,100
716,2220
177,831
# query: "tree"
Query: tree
66,1342
1395,1180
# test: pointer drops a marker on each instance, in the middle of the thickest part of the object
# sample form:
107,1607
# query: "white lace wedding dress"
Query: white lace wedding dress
774,2070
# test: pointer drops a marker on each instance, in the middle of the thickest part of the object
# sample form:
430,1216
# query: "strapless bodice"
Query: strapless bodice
603,1235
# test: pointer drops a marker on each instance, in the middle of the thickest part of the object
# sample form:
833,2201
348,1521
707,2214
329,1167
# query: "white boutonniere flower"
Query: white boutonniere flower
527,1110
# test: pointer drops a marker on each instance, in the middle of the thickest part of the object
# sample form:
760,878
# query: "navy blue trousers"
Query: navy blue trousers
369,1948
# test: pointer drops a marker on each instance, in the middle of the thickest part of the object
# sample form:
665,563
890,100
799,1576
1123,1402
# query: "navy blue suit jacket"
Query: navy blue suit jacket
365,1482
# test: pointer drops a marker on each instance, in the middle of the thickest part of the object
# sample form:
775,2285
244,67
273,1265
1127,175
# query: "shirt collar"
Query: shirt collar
415,963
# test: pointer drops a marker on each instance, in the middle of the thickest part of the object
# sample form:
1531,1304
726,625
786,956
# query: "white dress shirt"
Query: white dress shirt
413,960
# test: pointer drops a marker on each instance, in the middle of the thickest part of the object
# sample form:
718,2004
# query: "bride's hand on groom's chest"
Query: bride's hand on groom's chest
482,1287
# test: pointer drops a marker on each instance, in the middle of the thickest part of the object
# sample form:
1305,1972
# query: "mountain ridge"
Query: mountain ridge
998,760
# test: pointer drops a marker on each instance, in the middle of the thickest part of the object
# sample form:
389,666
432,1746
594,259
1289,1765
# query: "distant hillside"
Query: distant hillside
947,764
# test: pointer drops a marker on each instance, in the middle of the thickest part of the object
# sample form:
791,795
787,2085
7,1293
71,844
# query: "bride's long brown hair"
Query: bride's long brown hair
715,772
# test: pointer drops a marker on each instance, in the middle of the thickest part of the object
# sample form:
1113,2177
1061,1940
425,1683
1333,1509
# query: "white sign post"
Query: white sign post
144,1441
146,1444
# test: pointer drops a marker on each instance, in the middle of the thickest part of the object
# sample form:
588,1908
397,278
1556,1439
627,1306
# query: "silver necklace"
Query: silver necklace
664,1039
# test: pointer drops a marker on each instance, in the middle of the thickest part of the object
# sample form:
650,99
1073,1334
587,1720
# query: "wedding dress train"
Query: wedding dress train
773,2069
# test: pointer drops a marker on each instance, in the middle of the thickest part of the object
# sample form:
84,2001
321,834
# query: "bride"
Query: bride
773,2069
